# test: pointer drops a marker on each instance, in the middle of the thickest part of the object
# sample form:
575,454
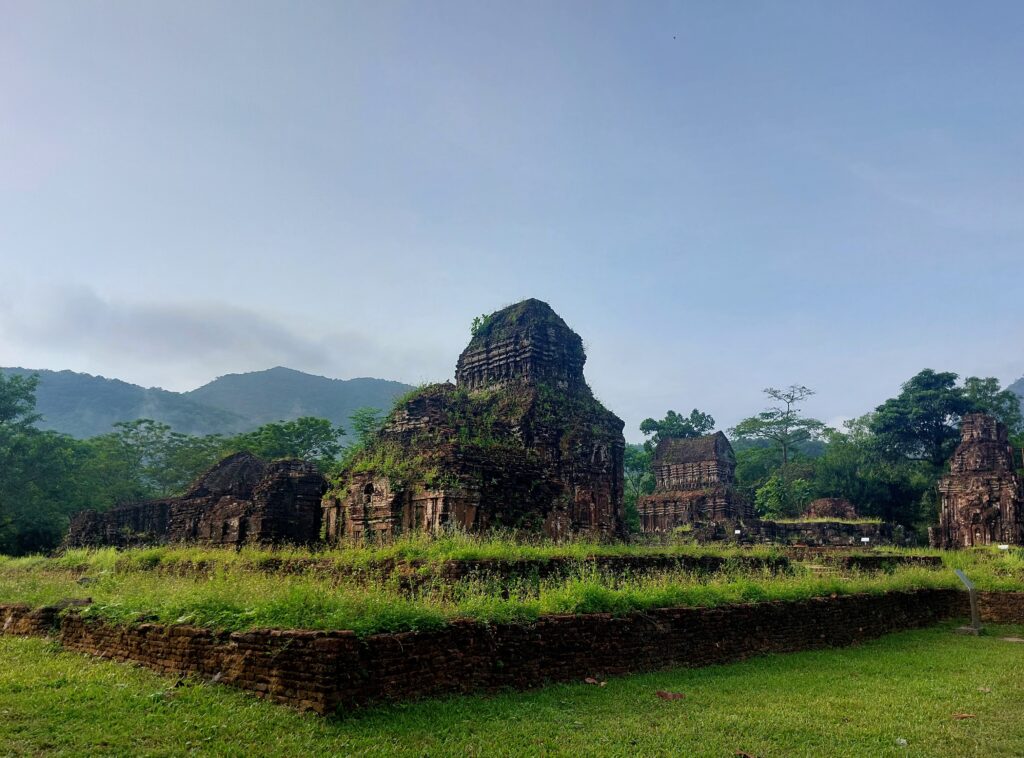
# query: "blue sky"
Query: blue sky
718,196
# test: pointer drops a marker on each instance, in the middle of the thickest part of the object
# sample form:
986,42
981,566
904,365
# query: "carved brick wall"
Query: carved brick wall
981,499
122,526
524,342
694,482
241,499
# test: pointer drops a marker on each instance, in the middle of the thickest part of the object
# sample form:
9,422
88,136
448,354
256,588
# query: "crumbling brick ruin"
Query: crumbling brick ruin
241,499
831,508
694,482
981,499
518,442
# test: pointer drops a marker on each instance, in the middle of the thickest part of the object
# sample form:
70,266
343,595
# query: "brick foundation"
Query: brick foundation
322,671
25,621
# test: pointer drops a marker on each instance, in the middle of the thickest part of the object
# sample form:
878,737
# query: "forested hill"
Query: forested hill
283,393
83,405
1018,387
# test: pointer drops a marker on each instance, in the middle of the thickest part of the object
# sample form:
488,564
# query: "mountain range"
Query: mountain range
83,405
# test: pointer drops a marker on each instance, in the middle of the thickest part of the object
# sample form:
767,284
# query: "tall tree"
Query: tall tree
922,422
18,401
366,422
782,488
676,426
986,395
39,472
638,481
781,424
308,438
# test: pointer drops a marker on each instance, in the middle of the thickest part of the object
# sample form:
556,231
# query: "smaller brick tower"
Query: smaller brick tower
695,481
981,497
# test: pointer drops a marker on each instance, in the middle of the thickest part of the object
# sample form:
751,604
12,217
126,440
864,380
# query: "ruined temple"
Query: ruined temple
981,498
241,499
694,482
518,442
831,508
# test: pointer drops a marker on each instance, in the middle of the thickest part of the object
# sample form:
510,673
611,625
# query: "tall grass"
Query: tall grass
234,592
237,599
415,548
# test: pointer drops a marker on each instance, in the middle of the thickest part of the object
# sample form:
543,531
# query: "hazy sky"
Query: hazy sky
719,196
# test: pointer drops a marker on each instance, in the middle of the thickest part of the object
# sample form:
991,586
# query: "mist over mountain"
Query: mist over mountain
84,405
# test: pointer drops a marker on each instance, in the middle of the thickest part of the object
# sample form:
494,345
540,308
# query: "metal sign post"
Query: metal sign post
972,593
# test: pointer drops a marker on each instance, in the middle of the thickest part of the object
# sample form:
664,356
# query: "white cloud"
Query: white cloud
183,344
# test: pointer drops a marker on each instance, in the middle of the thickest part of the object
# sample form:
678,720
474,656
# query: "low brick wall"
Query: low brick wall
294,667
864,561
1001,607
417,573
27,621
323,671
467,657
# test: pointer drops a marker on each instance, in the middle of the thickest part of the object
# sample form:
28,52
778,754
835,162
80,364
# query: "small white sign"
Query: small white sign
865,539
1004,547
736,531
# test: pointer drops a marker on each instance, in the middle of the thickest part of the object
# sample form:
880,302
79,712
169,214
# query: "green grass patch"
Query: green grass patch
233,591
856,701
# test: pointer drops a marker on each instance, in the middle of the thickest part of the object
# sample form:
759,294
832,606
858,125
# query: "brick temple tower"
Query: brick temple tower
518,442
695,481
982,502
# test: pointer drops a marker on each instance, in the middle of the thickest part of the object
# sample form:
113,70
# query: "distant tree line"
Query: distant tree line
46,476
887,463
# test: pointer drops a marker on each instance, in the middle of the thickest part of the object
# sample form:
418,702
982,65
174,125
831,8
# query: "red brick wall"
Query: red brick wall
1001,607
324,670
23,620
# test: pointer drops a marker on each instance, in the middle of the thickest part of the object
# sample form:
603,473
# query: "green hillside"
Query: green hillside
283,393
83,405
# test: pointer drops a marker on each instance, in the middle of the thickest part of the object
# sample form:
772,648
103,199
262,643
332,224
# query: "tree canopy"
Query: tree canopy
308,438
781,424
922,422
676,426
986,395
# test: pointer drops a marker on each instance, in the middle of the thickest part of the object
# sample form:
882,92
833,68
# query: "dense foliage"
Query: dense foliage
638,480
676,426
46,476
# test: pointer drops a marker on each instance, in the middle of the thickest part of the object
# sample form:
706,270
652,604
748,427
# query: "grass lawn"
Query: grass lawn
856,701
